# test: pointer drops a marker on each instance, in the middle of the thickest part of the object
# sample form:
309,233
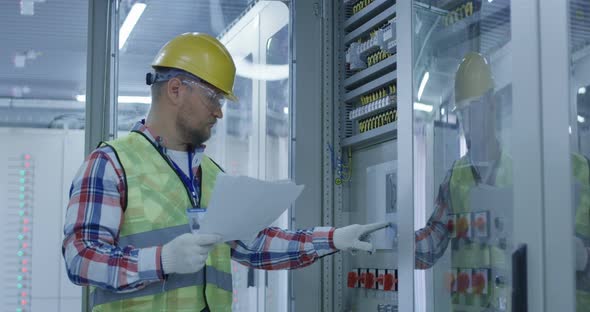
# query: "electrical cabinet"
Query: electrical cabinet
365,165
35,178
499,172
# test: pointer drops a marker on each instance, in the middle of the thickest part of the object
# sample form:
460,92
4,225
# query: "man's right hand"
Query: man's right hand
187,253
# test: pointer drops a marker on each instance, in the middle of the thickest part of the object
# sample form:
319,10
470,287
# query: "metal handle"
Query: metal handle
519,279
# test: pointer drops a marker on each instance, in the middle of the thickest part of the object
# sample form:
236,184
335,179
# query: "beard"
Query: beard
190,134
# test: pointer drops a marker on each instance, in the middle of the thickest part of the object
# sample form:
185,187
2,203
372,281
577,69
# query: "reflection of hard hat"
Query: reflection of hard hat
202,56
473,79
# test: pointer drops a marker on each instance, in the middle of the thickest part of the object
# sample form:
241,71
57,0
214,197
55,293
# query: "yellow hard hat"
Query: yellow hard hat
473,79
203,56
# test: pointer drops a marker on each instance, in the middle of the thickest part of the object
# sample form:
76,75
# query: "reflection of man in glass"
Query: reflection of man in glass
479,275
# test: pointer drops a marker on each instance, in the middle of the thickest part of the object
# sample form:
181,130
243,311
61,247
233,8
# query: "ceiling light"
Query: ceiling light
135,99
423,107
27,7
122,99
582,90
423,85
286,110
20,58
129,23
581,119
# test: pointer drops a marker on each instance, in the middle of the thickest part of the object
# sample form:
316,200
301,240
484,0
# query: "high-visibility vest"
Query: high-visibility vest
581,172
155,214
473,255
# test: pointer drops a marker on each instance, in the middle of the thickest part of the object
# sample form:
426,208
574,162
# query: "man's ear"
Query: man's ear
173,90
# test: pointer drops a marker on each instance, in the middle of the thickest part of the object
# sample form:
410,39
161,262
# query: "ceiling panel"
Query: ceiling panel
56,39
163,20
57,34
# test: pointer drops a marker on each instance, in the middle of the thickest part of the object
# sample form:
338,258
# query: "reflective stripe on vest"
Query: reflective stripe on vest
220,279
155,214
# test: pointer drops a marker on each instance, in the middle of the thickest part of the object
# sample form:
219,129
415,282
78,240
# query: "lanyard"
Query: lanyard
189,182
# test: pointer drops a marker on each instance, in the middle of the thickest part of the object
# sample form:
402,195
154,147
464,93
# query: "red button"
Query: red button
352,279
451,225
388,282
462,282
478,283
370,280
362,278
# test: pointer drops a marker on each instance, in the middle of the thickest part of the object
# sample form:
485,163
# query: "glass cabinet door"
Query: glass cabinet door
463,181
252,138
579,127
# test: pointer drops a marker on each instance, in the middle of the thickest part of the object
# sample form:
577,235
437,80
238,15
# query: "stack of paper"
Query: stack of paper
240,207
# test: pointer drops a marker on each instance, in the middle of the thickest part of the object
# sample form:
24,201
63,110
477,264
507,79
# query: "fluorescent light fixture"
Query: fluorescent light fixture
122,99
581,119
582,90
423,107
135,99
286,110
570,129
129,23
423,85
442,111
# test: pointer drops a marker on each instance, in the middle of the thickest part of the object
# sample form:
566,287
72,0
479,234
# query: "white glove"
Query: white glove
187,253
349,237
581,254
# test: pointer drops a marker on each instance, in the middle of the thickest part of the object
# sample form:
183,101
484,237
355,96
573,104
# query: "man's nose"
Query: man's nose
218,112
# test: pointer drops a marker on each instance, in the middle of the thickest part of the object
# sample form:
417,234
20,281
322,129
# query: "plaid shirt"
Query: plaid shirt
432,240
95,215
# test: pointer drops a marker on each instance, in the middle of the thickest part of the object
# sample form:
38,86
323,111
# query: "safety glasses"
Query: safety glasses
215,98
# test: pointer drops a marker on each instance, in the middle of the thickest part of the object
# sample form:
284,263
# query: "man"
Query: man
478,279
126,229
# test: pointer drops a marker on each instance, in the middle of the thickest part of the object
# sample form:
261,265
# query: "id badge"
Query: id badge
195,216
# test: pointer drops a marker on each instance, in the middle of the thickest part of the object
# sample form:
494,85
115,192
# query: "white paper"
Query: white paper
240,207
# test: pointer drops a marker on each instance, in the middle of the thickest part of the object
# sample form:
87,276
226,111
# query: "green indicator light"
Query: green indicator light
21,204
21,213
21,196
19,278
20,253
22,173
20,237
22,188
19,286
19,310
22,180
